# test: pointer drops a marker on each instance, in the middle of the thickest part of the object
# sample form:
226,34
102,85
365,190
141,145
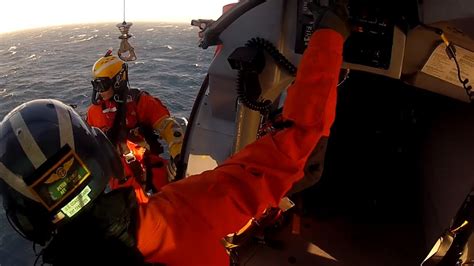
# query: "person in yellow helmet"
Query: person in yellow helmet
44,143
130,117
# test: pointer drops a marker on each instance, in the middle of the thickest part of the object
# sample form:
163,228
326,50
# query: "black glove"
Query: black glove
172,167
334,16
115,214
138,171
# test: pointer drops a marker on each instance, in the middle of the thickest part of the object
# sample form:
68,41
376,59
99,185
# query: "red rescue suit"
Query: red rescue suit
145,112
182,225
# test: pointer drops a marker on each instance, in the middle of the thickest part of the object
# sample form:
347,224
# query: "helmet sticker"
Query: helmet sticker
62,179
76,204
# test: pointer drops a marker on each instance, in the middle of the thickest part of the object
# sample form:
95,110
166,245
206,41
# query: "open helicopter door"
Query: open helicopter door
221,122
220,125
387,39
224,119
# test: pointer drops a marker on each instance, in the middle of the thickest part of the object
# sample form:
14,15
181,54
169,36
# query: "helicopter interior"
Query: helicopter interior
397,171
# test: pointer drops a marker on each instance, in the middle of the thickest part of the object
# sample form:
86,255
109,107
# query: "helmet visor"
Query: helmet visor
101,84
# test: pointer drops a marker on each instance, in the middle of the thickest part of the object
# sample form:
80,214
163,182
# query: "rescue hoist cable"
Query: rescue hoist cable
123,10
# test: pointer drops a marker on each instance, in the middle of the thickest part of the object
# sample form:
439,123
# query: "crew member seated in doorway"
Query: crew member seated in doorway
130,118
182,224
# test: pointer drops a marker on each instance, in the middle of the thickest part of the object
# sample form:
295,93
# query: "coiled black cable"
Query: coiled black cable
245,99
280,59
262,106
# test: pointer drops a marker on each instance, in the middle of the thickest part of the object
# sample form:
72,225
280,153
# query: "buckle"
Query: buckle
129,157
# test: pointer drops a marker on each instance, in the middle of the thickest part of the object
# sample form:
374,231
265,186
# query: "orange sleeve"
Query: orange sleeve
90,115
150,110
96,118
193,214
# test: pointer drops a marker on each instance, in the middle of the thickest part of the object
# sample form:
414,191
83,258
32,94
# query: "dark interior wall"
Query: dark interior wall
440,10
448,168
382,161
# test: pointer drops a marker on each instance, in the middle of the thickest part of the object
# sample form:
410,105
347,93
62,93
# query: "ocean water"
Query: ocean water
56,63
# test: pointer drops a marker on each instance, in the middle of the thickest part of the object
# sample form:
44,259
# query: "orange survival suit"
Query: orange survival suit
180,226
142,110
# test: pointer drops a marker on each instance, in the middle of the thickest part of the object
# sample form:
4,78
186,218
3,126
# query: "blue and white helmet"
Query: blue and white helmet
52,166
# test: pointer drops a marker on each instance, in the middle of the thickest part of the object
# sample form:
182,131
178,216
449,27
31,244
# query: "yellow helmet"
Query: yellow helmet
108,71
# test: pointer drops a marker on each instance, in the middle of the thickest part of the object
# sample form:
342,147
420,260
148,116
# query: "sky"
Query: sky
25,14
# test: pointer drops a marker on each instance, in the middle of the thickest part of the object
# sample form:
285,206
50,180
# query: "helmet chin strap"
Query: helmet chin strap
121,85
121,94
117,133
95,98
118,99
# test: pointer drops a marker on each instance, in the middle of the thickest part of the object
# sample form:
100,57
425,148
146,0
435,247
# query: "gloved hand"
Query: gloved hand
172,167
334,16
138,171
175,148
115,214
175,155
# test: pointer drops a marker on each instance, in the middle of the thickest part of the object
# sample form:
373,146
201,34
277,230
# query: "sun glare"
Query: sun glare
25,14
